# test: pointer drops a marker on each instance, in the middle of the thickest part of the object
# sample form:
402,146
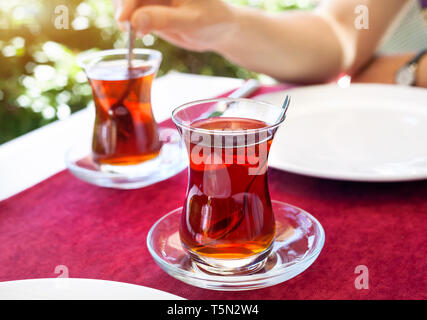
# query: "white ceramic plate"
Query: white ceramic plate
79,289
367,132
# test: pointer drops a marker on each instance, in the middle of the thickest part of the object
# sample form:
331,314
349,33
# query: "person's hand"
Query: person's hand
192,24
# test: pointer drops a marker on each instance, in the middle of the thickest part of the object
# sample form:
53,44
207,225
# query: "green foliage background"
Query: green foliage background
40,81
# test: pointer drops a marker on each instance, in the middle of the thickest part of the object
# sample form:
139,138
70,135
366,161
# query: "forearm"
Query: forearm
293,46
422,73
298,46
383,69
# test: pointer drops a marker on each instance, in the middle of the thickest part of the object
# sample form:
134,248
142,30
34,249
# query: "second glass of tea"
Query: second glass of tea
125,131
227,222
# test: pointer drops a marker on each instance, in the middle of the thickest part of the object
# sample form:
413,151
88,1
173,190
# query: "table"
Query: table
100,233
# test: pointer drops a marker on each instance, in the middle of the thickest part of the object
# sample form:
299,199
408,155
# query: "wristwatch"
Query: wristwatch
407,75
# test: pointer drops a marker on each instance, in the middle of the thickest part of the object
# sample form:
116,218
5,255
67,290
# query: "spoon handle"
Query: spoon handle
131,43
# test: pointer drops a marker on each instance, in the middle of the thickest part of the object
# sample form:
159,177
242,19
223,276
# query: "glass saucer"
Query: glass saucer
171,160
299,240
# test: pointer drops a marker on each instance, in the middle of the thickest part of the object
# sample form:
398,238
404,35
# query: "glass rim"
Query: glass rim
181,124
84,59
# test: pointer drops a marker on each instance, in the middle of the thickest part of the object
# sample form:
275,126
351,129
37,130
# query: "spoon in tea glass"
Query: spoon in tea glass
131,44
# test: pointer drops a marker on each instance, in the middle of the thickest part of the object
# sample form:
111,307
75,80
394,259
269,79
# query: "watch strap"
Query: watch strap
417,58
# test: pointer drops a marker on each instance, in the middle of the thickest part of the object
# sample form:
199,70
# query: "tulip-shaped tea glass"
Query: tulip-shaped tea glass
127,144
227,223
230,235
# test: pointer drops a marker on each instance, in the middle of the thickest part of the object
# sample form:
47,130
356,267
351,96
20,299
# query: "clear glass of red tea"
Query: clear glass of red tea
227,223
125,131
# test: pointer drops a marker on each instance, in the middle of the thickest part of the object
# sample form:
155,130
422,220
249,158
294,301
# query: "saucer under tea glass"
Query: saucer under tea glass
229,234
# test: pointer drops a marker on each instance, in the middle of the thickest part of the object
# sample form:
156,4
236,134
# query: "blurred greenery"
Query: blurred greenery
40,81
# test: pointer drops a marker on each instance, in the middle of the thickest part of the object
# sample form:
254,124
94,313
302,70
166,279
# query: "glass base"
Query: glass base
247,265
299,240
171,160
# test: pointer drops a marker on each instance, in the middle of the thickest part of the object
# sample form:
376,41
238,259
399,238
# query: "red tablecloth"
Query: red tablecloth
101,233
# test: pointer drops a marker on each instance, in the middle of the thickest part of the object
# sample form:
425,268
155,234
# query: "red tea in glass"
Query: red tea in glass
227,221
125,132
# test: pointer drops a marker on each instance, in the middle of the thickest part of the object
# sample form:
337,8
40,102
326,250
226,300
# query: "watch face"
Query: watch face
406,76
